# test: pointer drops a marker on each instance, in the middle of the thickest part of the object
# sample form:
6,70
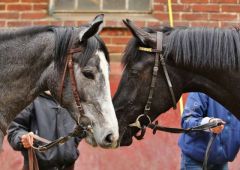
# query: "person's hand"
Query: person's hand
217,129
27,140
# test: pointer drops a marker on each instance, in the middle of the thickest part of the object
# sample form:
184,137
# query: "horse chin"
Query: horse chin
91,141
126,138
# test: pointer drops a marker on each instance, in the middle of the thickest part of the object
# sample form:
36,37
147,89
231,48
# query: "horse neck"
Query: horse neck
217,84
22,61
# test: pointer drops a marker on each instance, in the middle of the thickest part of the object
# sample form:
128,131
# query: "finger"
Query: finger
216,130
27,146
23,140
31,137
29,140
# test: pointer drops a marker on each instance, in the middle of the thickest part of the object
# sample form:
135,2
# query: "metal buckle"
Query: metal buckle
147,107
137,122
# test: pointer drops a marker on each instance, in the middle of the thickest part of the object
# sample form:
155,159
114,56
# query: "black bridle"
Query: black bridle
158,59
145,116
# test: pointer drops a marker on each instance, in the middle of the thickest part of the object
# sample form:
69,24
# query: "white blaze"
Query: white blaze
108,109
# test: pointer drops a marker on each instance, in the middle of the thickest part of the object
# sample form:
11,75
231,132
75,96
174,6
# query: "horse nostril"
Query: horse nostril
109,138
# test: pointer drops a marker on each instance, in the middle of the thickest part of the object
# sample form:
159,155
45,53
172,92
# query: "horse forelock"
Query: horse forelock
91,47
210,48
64,38
131,53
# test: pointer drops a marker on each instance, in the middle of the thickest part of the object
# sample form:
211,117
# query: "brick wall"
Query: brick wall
213,13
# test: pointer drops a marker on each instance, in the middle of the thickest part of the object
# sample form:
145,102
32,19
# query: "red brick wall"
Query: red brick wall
212,13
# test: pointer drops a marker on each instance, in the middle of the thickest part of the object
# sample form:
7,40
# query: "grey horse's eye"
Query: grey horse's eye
88,74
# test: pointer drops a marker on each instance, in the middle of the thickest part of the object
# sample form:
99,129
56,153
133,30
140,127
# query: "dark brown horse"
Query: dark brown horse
32,60
197,60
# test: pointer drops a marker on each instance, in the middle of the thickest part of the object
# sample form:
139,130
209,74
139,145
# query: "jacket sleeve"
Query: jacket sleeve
195,110
18,127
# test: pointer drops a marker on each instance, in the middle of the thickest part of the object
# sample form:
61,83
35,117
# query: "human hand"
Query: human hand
219,128
27,140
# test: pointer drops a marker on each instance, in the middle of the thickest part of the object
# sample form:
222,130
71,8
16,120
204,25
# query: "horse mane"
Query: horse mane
211,48
64,36
7,34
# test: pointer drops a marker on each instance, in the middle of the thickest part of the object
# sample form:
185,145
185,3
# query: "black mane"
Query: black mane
62,40
64,36
211,48
131,53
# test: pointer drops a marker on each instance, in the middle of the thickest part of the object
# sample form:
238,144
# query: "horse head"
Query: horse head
134,88
90,67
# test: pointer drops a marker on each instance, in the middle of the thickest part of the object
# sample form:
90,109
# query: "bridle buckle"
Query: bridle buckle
137,122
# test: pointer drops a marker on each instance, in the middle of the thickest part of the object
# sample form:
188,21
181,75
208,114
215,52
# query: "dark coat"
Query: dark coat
47,119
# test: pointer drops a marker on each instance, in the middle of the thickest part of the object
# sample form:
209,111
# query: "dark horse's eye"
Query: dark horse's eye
88,74
133,73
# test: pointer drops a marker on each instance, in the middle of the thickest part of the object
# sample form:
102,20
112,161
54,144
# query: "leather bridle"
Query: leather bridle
145,115
85,126
158,58
69,66
80,130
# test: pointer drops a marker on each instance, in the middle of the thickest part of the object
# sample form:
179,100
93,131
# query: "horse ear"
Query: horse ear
93,28
139,33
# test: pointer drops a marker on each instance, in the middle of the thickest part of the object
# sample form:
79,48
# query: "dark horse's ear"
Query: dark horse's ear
93,28
145,37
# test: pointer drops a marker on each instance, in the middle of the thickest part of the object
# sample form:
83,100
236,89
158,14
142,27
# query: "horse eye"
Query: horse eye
133,73
88,74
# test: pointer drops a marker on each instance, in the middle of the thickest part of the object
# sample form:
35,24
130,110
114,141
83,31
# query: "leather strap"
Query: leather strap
158,57
74,85
69,55
32,160
158,52
62,81
156,127
79,131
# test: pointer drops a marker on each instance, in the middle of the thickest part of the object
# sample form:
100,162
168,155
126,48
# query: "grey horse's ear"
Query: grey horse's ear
93,28
139,33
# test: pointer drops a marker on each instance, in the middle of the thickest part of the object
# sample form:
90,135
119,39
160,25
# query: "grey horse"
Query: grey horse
32,60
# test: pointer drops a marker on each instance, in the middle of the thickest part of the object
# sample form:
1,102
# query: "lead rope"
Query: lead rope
206,126
32,159
207,153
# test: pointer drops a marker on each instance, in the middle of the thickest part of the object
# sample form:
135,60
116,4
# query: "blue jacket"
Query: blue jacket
226,145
